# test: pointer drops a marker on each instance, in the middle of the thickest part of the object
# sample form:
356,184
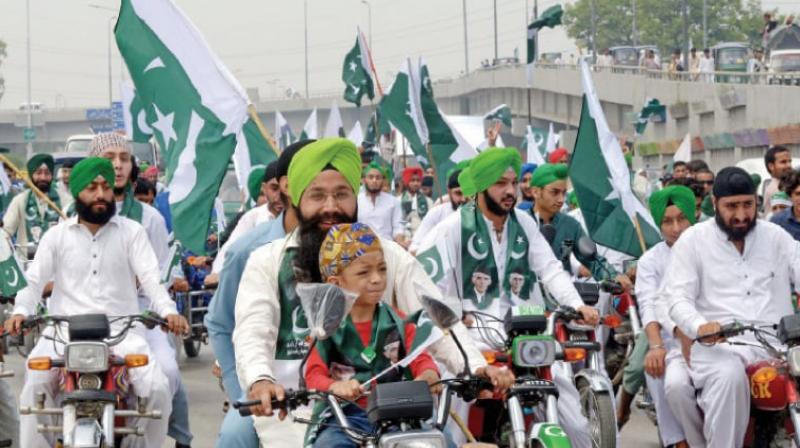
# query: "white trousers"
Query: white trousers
681,395
273,432
718,373
164,354
147,381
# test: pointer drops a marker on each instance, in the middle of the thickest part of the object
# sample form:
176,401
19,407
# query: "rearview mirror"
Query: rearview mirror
587,248
325,306
443,312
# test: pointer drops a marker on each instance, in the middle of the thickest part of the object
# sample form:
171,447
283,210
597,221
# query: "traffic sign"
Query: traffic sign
29,134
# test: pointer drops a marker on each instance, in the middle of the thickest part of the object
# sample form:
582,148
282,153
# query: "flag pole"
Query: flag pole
372,65
435,171
33,187
639,233
251,112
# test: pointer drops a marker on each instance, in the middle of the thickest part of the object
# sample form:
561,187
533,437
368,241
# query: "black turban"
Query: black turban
733,181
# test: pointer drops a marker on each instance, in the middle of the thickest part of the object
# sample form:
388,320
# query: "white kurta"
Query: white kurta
709,280
435,215
251,219
258,320
384,215
14,221
96,274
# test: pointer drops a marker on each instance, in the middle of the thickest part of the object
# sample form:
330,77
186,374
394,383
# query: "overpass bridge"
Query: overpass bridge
728,121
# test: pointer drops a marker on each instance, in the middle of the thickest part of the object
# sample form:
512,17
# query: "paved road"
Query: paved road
205,404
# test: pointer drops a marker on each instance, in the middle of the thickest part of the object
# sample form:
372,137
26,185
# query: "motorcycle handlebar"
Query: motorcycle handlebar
291,400
612,287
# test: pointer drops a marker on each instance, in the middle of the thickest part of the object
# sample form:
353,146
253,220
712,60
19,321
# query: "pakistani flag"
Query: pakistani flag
134,116
357,72
653,111
259,151
534,145
501,113
334,127
191,102
378,126
401,106
310,129
173,269
11,277
282,131
550,18
602,182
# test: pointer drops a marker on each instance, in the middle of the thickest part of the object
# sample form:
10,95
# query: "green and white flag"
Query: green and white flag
602,182
194,106
12,279
334,127
173,269
134,115
534,144
401,106
501,113
357,72
653,111
311,128
252,150
378,126
283,132
356,134
550,18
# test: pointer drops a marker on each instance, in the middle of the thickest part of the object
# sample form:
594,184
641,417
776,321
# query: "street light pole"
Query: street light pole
466,51
705,30
369,21
305,37
495,32
110,22
29,146
634,32
685,12
594,31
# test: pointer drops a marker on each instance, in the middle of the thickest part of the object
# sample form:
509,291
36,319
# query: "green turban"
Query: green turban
485,169
707,207
677,195
254,181
376,166
549,173
572,198
87,170
314,157
38,160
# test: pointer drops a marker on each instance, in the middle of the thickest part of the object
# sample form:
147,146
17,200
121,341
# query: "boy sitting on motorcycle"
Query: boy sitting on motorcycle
372,338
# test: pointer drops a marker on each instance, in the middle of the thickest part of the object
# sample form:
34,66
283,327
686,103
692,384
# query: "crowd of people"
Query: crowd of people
328,212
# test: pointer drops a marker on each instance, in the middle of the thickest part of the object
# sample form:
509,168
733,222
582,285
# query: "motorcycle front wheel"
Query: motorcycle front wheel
598,408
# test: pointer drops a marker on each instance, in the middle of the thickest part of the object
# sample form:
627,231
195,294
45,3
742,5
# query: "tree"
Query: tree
660,23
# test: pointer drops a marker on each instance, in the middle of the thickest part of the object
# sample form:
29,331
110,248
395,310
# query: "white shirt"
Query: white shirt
649,279
384,216
251,219
156,228
706,64
94,273
434,216
709,280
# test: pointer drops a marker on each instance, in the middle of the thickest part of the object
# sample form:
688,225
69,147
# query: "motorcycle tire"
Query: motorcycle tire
192,347
598,408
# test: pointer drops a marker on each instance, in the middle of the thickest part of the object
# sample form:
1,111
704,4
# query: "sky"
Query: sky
261,42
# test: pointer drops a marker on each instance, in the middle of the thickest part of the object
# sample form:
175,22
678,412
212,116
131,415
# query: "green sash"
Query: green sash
35,224
131,208
422,204
293,329
477,255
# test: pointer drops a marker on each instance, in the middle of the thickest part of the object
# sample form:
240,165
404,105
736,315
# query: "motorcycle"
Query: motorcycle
774,402
94,407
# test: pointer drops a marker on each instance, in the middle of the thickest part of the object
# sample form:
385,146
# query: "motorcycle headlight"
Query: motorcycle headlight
793,359
86,357
413,439
89,381
533,351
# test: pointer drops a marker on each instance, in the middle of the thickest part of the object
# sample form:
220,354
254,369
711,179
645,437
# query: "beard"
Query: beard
310,237
43,186
495,206
371,190
732,233
86,213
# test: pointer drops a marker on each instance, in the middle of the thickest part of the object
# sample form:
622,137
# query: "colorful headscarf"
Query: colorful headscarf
340,153
106,140
86,171
487,167
38,160
549,173
410,171
677,195
343,244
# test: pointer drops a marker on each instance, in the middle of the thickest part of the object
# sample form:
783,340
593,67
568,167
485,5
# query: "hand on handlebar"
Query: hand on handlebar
266,391
349,390
708,333
14,324
501,377
625,282
177,324
432,378
590,315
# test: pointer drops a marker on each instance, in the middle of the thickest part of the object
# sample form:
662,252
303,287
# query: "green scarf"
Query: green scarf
35,224
293,329
422,204
477,254
131,208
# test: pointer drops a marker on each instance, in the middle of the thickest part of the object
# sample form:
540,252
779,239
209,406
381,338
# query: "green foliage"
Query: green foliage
660,23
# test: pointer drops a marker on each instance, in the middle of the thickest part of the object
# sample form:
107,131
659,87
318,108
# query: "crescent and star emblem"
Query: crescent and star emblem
473,252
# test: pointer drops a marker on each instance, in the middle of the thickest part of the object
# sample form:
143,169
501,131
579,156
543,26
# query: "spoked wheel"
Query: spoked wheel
598,408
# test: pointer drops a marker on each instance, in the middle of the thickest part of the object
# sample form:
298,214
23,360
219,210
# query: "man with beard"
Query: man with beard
97,260
270,334
257,215
28,217
381,211
778,160
526,197
116,148
441,211
493,234
732,268
415,205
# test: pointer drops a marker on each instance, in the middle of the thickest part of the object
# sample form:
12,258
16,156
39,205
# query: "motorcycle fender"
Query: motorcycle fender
550,435
87,433
597,381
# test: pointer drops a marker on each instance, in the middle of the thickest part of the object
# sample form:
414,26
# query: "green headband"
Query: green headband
549,173
87,170
340,153
678,195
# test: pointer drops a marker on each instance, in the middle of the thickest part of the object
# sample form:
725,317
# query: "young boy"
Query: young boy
372,338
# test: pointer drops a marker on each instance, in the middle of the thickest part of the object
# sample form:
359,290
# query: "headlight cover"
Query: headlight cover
414,439
793,359
533,351
86,357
